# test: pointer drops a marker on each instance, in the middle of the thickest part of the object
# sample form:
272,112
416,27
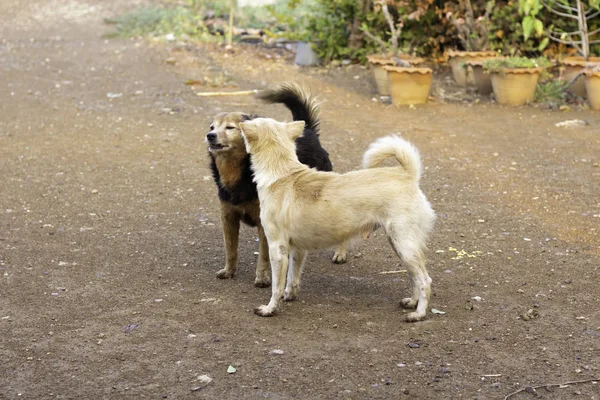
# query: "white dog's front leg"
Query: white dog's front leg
297,258
278,252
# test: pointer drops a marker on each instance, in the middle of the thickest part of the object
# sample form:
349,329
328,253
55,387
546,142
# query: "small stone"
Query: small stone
204,379
276,352
413,345
95,191
231,369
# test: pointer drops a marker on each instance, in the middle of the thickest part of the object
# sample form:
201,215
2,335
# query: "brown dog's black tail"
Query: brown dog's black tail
302,104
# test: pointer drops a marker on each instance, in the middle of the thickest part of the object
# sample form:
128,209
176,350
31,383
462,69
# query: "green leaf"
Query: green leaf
527,23
543,44
538,26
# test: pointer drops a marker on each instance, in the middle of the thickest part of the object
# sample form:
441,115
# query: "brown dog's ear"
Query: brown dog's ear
295,129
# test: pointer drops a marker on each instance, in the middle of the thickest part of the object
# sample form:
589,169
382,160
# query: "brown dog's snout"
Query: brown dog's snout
211,137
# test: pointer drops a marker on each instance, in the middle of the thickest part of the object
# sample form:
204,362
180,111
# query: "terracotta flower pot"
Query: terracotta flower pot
574,66
515,86
592,87
378,61
456,59
409,85
482,79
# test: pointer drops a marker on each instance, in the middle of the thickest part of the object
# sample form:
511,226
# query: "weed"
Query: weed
551,92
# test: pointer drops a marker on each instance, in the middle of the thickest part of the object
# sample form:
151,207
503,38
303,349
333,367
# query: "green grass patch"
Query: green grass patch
159,21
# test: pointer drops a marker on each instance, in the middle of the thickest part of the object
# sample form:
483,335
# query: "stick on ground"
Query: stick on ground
547,385
238,93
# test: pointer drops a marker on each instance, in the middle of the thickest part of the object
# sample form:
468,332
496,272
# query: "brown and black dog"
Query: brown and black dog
230,166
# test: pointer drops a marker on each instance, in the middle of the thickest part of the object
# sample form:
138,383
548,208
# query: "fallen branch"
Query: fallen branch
238,93
547,385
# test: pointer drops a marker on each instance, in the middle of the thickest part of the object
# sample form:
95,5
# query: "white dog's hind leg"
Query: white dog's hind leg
278,252
407,248
341,254
421,287
297,259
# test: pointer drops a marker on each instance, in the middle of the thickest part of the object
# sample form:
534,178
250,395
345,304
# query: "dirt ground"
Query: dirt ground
110,235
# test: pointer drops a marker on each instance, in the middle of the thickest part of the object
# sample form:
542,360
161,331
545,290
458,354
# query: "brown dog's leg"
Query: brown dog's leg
263,266
230,219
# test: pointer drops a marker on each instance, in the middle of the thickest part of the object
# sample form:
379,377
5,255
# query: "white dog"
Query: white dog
303,209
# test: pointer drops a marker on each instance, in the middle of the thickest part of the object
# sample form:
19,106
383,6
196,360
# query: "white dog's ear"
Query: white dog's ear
295,129
249,130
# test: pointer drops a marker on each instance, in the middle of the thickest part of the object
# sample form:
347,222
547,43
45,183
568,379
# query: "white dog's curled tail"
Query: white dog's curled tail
394,146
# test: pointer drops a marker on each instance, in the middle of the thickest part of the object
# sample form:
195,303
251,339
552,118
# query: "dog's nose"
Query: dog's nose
211,137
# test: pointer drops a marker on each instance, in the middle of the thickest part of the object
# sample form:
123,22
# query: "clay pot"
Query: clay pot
574,66
515,86
409,85
463,75
378,61
482,79
592,87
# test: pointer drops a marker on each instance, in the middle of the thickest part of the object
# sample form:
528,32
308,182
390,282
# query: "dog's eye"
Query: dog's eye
212,127
230,127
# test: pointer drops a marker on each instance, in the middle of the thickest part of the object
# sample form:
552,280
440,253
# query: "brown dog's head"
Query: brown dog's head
225,134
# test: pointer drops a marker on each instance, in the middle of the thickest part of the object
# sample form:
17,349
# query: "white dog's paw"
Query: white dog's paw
340,256
264,311
225,274
290,295
408,303
414,316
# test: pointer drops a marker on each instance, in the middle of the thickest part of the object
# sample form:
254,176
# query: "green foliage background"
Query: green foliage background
330,24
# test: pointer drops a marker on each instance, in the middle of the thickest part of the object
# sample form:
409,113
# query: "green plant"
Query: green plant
499,64
531,24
